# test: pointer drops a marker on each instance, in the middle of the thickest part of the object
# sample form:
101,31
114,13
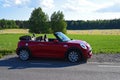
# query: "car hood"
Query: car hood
80,42
76,41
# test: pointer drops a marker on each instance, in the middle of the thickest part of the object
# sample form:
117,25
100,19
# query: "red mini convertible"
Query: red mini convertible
59,47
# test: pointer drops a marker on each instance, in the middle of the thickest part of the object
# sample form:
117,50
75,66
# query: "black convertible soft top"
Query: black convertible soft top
25,37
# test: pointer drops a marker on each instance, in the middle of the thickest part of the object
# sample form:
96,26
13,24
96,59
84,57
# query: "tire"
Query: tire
74,56
24,54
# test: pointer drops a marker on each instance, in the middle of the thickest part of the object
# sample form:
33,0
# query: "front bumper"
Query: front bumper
88,52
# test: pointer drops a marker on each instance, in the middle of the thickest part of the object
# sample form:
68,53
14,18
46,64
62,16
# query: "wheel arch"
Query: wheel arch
73,48
23,47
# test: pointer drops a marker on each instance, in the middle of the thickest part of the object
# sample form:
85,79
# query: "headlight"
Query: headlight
83,45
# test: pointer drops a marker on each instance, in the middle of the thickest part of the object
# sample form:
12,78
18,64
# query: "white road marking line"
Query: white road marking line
109,66
101,63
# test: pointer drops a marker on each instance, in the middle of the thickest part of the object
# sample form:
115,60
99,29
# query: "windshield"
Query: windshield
62,37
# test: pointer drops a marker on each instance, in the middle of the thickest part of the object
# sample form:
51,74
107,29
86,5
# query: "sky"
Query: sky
72,9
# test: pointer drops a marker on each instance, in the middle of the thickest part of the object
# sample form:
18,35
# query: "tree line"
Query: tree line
71,25
93,24
7,24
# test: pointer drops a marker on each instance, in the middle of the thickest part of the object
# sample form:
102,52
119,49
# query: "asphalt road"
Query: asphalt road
11,68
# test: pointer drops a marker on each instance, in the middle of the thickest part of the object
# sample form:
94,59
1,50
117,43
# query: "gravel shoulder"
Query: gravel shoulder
100,58
105,58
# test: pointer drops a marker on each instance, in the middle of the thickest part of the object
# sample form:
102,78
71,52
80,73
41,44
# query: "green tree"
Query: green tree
38,21
3,23
57,22
7,24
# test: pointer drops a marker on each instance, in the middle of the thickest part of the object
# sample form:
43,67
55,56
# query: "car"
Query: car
61,47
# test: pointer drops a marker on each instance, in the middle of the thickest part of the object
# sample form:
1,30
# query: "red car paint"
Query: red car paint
54,48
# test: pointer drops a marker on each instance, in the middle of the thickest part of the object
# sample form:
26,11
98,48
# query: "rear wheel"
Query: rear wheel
24,54
74,56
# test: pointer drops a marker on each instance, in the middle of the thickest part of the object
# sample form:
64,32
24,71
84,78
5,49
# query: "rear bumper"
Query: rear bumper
17,51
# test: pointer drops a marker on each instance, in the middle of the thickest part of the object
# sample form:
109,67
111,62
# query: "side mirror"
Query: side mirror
55,41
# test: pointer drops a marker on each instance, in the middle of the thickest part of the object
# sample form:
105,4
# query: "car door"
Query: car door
53,49
36,48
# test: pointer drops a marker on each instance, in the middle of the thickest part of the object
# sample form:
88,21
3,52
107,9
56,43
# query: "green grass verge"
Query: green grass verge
8,43
100,43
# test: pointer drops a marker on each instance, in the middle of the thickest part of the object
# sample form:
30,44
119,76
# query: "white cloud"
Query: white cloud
9,3
18,2
91,9
73,9
47,4
22,2
6,5
78,5
113,8
85,5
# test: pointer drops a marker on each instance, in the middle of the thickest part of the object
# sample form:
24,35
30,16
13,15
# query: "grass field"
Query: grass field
8,43
100,43
96,32
14,31
82,32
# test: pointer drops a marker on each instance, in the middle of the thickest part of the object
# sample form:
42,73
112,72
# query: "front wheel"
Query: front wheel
24,54
74,56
